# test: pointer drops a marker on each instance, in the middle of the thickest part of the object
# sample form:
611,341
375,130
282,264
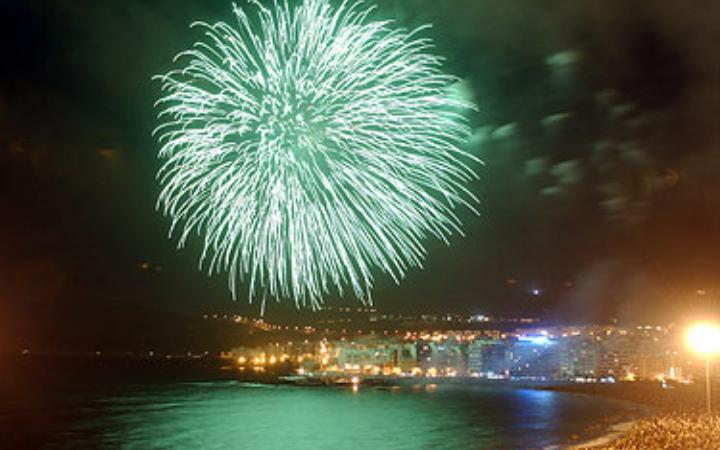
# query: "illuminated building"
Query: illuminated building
578,357
534,356
487,357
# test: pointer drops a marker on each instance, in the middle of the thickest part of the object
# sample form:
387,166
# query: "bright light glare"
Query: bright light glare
704,338
535,339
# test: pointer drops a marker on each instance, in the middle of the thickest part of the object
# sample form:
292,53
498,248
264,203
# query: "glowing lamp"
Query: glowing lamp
704,338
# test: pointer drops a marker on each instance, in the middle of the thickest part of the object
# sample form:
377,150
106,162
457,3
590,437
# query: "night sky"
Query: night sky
599,125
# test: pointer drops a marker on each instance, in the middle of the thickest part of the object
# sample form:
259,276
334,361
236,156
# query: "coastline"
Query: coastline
610,428
662,416
614,427
596,435
646,400
613,433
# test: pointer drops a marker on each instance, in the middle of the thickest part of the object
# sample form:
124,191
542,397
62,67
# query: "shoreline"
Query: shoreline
661,417
612,433
610,428
596,435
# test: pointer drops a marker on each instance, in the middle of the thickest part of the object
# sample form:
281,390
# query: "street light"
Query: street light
704,338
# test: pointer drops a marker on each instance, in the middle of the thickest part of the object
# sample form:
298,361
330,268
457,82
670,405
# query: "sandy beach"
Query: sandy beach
615,432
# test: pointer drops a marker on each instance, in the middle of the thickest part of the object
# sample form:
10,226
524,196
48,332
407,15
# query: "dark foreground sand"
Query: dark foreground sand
678,421
663,432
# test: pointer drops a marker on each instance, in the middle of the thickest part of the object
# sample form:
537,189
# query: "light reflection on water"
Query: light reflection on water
245,416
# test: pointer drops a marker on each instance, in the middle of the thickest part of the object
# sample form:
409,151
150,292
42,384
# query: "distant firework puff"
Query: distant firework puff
311,146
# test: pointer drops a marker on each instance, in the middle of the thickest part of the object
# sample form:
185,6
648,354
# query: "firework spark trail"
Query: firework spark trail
310,146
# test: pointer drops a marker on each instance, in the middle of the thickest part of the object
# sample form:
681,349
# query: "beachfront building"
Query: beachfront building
534,357
578,357
487,358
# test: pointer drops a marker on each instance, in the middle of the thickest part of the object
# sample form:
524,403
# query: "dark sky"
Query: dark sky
599,123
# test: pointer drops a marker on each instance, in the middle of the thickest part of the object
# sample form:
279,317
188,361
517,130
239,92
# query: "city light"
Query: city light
578,354
704,338
536,339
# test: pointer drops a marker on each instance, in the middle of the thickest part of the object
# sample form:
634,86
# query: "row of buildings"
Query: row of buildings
593,353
